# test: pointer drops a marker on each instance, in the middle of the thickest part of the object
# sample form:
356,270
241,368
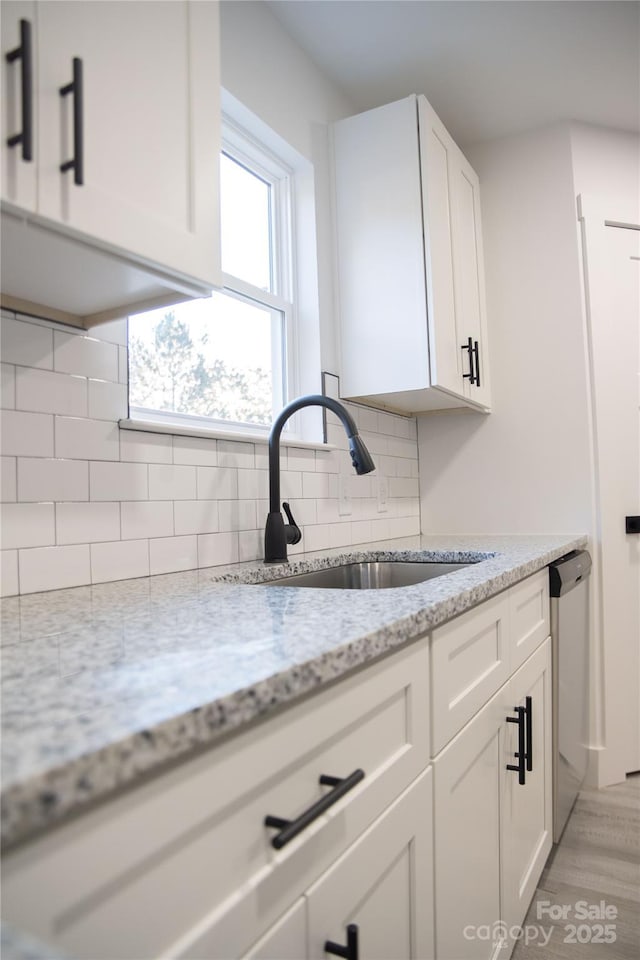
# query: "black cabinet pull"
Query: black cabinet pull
76,87
471,375
350,952
476,354
528,710
522,751
291,828
24,53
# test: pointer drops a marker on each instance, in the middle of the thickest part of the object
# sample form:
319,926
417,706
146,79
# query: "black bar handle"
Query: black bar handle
528,710
76,87
350,952
471,375
291,828
476,353
24,53
519,768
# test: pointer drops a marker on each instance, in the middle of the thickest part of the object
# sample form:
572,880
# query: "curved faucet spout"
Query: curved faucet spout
278,534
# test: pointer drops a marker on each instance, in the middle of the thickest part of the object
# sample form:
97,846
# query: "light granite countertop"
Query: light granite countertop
103,684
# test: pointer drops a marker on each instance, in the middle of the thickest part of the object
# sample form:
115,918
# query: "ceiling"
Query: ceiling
490,68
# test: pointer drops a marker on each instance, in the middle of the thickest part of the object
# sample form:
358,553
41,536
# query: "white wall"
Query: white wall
525,468
266,70
606,163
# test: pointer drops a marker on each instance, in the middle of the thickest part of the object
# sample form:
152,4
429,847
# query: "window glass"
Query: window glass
218,358
245,213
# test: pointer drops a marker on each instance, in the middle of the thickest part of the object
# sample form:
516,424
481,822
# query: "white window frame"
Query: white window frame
246,150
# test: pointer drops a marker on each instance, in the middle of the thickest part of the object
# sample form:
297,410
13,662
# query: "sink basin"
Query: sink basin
369,575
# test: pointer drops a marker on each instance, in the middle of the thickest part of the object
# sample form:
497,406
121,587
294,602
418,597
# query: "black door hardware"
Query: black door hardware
350,952
529,732
632,524
476,353
471,375
291,828
522,750
76,87
24,53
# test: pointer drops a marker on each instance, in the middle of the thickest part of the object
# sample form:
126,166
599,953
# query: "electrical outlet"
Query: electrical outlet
344,496
383,494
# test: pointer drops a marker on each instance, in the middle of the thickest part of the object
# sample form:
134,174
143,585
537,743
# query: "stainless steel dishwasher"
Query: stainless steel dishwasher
569,590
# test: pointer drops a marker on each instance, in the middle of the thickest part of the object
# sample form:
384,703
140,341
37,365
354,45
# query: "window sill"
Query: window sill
180,430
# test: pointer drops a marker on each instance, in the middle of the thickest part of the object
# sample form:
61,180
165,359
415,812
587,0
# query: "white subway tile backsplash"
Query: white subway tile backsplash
85,356
232,453
8,386
160,503
44,391
40,479
27,434
121,560
250,545
169,482
199,451
253,484
140,447
298,458
27,525
87,522
118,481
26,343
315,485
53,568
8,480
113,331
146,518
215,549
78,438
107,401
291,485
217,483
173,554
9,584
195,516
237,515
123,365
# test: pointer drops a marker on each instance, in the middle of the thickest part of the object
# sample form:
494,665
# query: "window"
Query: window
226,359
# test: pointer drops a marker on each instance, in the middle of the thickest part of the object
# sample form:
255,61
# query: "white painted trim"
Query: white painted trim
180,430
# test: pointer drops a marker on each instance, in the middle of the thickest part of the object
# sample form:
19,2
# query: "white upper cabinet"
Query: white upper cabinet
410,267
125,126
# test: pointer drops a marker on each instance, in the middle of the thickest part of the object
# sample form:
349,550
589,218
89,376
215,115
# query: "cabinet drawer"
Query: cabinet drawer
529,616
469,662
189,850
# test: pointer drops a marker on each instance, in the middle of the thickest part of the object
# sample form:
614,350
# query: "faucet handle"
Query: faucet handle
293,531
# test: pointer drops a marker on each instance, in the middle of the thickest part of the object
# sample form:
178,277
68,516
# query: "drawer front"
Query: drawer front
184,865
529,617
469,663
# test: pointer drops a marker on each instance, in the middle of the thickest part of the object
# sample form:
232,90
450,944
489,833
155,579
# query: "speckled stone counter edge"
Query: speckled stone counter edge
33,804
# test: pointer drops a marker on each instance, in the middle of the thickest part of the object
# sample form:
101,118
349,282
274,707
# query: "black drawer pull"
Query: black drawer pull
522,750
350,952
76,87
476,353
471,375
291,828
529,728
24,54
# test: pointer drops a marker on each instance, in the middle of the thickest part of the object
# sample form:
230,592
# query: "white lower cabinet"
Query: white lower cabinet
435,851
492,823
381,888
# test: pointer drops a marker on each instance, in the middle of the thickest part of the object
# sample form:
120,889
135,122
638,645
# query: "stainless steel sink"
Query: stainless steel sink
369,575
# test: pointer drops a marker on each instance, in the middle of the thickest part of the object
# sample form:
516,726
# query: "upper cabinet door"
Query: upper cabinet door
19,115
438,165
469,278
148,147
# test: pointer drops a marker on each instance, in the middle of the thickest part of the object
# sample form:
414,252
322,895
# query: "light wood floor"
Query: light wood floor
597,859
